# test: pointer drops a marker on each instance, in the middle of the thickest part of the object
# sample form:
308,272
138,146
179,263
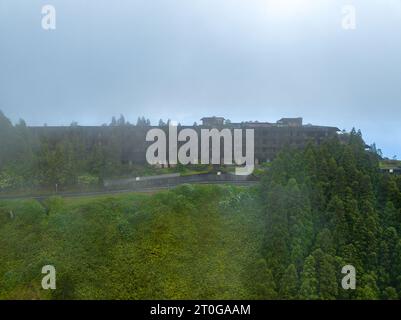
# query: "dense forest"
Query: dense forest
327,207
314,211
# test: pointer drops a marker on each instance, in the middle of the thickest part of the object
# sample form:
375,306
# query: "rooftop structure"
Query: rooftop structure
213,121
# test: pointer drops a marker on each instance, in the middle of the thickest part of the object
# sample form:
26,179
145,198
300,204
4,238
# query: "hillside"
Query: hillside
315,211
190,243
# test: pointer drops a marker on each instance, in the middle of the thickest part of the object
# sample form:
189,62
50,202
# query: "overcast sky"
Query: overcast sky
185,59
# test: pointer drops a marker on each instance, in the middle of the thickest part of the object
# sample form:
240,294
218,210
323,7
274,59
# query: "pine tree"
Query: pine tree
367,289
328,286
277,233
289,284
121,121
309,282
261,281
390,216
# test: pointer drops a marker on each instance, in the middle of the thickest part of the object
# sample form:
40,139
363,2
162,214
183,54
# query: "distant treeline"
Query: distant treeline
28,162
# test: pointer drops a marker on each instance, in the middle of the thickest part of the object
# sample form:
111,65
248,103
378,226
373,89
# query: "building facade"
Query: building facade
131,145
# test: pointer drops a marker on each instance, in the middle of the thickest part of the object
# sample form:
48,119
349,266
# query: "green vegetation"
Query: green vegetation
315,211
326,207
31,164
68,162
192,243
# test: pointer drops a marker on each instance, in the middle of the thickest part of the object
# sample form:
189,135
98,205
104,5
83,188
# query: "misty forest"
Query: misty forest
313,211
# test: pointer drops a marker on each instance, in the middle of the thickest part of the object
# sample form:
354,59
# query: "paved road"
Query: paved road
111,192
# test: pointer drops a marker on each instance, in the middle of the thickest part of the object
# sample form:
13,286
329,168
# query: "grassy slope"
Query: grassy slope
193,242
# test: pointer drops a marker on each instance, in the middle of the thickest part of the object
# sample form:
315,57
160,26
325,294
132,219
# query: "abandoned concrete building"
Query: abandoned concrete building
270,138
